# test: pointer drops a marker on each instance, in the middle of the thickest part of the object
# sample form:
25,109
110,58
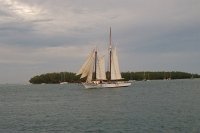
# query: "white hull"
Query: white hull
106,84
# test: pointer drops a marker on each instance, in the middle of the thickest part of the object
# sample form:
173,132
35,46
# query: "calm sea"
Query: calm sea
145,107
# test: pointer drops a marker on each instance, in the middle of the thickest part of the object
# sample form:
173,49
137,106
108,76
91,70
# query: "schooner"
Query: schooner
96,64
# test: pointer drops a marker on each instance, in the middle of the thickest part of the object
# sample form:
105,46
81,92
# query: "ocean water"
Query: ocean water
144,107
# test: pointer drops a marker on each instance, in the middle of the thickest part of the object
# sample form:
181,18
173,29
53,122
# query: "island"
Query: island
70,77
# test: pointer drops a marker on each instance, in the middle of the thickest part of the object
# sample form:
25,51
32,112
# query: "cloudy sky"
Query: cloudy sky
40,36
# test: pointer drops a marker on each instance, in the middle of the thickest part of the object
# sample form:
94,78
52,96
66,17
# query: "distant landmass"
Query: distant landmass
70,77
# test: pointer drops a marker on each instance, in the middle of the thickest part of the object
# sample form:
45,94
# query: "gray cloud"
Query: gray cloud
43,36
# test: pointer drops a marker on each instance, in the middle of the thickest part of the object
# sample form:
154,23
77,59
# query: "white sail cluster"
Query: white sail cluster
88,67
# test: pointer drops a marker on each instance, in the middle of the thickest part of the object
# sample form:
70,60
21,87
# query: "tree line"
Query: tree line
56,78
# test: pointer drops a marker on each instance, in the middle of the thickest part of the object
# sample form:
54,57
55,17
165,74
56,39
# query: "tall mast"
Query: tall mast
110,38
110,52
95,65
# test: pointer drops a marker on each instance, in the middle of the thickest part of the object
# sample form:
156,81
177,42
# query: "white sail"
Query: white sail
90,72
87,66
115,72
85,63
100,73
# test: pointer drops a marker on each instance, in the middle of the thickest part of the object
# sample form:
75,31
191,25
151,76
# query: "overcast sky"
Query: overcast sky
40,36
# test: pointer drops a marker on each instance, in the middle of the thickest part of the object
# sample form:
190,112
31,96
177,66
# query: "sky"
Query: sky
42,36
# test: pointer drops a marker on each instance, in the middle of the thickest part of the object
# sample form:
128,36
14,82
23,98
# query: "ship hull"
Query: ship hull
106,85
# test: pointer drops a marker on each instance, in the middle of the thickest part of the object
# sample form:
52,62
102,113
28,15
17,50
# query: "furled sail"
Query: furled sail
115,72
100,73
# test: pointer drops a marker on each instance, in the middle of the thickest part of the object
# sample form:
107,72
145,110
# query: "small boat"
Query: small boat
63,78
63,83
94,70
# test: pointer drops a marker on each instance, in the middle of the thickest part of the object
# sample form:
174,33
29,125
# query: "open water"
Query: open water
145,107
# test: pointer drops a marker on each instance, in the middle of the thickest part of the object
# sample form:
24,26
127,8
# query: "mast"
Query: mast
110,52
144,76
95,65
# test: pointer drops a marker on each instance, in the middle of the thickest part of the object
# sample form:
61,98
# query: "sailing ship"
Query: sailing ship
64,79
144,77
96,64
